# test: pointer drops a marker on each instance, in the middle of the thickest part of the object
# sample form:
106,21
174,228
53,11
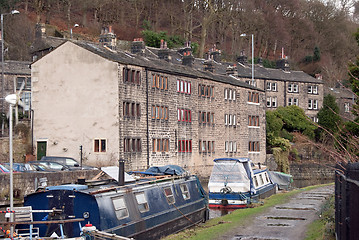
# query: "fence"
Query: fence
347,201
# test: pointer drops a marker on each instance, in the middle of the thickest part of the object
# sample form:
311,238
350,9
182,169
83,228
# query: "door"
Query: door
41,149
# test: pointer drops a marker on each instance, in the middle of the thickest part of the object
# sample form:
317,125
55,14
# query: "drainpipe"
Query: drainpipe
121,172
147,123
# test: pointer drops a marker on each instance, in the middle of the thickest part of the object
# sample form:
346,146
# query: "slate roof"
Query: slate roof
342,93
16,67
154,63
245,71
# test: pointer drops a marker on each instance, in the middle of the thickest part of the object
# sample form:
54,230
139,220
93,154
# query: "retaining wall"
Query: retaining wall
25,183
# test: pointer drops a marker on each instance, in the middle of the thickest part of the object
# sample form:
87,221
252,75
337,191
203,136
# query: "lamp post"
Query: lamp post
76,25
244,35
12,99
2,61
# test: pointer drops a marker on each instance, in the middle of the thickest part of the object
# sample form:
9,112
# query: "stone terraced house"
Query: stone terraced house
143,108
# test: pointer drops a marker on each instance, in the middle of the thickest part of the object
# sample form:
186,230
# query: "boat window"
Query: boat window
261,179
142,202
265,174
169,195
255,181
185,193
120,207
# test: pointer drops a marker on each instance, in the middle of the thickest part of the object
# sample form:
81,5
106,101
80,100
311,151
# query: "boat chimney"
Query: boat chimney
121,172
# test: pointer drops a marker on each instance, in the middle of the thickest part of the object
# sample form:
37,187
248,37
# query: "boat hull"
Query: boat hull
239,200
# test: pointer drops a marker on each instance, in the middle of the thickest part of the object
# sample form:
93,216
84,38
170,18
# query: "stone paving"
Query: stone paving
288,221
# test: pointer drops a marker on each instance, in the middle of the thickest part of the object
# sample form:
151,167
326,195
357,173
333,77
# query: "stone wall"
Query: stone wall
26,183
306,174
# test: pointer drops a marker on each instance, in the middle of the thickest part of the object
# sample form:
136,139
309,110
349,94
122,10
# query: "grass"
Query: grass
324,227
218,226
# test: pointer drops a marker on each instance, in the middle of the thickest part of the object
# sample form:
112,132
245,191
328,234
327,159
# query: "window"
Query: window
253,97
272,86
206,146
23,80
185,192
184,115
313,89
183,86
131,76
269,86
230,146
205,117
205,91
131,109
120,207
160,145
169,195
347,107
253,147
312,104
142,202
100,145
132,145
293,88
292,101
253,121
230,120
225,94
184,146
159,113
271,102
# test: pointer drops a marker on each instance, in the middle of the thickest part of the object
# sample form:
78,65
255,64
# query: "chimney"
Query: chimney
283,64
319,76
215,54
164,52
208,65
108,38
242,59
232,70
186,52
121,172
138,46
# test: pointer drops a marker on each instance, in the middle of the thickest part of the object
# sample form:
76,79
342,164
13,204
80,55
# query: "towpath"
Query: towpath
287,221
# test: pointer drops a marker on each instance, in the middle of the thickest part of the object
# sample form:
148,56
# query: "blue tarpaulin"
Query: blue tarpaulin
166,170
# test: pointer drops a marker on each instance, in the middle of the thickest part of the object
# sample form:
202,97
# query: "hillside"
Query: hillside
317,37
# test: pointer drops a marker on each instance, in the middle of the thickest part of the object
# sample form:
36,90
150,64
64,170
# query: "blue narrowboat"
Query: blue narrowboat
234,183
148,208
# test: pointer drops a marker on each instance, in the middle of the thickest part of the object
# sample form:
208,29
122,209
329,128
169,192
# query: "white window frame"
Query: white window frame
226,146
225,119
315,104
295,88
310,103
346,107
234,146
269,101
230,94
274,87
274,102
225,94
234,95
269,86
234,120
315,89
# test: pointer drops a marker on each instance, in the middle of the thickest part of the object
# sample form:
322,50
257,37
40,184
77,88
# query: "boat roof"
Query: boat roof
75,187
242,160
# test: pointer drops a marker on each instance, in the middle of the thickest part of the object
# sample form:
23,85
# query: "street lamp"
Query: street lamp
76,25
244,35
2,60
12,99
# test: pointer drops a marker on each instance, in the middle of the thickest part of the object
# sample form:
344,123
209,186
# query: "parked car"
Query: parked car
3,169
53,165
22,167
68,161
